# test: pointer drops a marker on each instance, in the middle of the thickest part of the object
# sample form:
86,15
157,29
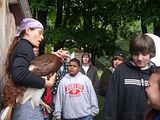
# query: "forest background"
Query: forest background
96,26
99,27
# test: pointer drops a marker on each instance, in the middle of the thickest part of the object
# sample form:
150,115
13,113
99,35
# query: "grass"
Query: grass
101,101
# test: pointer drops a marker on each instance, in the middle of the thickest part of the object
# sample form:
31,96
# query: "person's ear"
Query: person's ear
27,30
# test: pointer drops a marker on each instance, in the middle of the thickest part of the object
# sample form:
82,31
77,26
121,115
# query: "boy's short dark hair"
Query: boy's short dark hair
75,60
142,44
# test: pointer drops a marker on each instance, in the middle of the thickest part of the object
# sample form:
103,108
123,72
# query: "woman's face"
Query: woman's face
153,91
141,60
35,36
85,59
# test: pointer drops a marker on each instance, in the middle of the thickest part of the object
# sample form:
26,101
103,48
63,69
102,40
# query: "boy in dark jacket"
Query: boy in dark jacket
118,58
126,98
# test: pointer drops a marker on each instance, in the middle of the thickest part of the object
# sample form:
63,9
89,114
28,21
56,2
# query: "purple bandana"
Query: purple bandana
29,23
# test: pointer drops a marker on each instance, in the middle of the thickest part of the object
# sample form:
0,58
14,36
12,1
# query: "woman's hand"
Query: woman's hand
51,81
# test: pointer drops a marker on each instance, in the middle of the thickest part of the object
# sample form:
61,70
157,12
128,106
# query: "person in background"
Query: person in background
60,74
153,95
126,97
36,51
19,57
118,58
76,98
88,69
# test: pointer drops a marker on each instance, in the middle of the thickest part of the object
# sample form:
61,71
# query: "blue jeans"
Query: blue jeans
27,112
89,117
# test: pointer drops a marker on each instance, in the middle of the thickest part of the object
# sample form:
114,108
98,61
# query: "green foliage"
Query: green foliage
48,48
105,60
99,72
40,4
112,25
77,38
53,36
101,103
51,16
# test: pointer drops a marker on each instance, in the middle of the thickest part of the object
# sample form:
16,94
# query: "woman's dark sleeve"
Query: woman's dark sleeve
20,69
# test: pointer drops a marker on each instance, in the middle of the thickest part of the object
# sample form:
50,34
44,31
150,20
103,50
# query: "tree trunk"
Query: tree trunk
157,27
143,26
115,26
58,22
67,7
87,15
42,17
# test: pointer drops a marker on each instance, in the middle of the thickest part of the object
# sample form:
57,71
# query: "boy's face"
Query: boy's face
141,60
153,91
117,61
73,68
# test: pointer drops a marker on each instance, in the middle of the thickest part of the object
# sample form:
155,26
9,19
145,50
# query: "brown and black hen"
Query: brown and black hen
43,65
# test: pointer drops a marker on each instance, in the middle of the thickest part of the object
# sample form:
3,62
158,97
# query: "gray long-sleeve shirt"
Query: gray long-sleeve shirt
76,97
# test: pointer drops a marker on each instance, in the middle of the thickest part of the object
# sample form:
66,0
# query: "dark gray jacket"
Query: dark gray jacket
92,74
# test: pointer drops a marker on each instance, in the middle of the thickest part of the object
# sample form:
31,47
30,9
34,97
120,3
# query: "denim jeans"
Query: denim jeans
89,117
27,112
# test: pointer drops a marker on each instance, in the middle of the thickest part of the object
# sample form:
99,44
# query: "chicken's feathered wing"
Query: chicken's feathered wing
46,64
42,65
